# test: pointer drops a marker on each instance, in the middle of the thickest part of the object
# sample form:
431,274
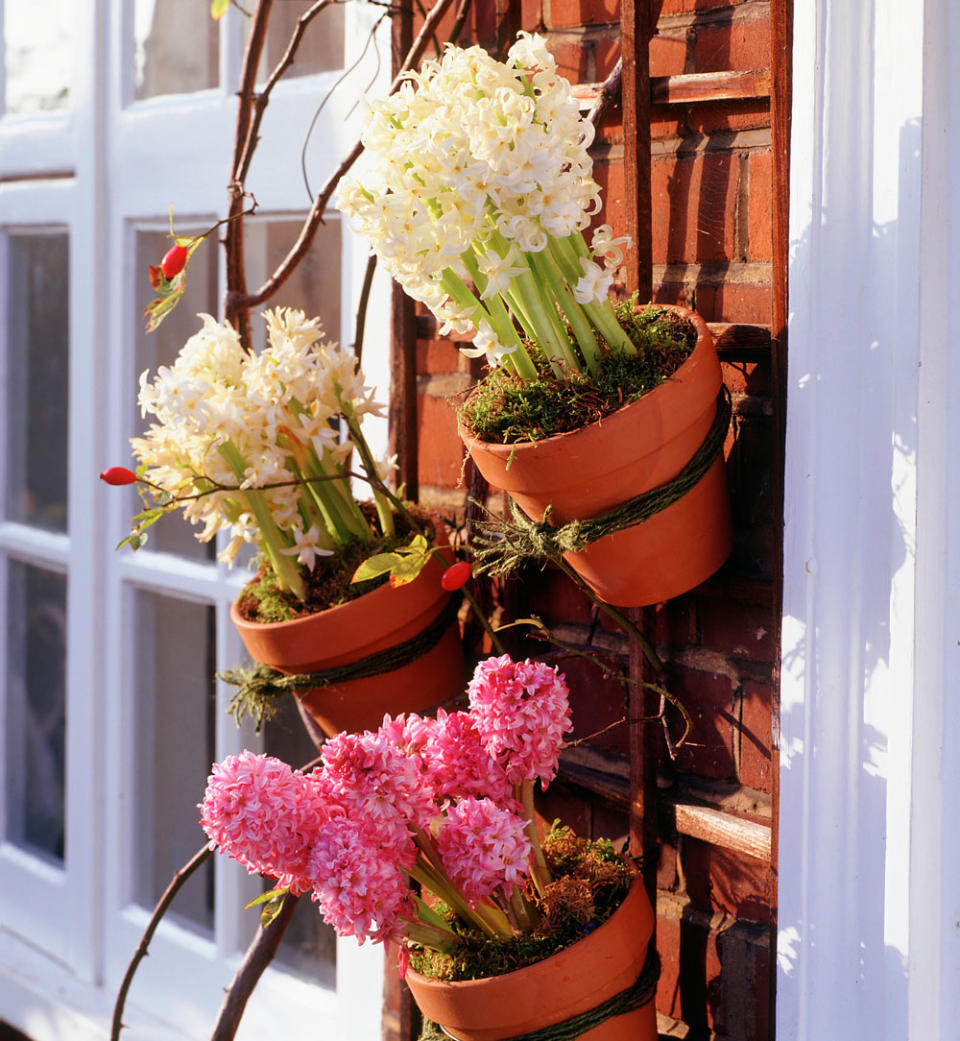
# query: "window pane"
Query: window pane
36,605
175,668
309,946
314,286
176,47
37,376
161,347
320,49
38,54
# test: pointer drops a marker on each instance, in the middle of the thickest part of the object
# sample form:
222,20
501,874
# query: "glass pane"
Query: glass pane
37,377
309,946
161,347
38,42
320,48
176,47
314,286
36,722
175,668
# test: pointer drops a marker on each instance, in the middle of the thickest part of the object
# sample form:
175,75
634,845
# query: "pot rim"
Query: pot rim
703,345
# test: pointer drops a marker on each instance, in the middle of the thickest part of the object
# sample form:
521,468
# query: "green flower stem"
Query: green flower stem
539,872
334,501
500,320
448,894
427,914
550,273
384,512
284,566
430,936
568,252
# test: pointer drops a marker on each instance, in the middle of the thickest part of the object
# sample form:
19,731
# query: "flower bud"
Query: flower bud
118,475
456,575
174,261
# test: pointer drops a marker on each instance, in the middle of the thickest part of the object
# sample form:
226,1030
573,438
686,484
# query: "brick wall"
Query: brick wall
711,178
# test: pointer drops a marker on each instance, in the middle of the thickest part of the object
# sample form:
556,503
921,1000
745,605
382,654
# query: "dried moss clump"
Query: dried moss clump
506,409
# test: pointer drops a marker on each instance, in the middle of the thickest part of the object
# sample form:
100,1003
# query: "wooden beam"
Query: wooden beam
722,829
694,88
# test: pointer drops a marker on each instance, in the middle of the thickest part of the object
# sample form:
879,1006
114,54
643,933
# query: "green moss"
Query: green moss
328,584
506,409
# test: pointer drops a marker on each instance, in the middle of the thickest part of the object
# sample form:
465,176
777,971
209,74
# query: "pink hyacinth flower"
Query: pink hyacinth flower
522,711
263,814
360,882
484,849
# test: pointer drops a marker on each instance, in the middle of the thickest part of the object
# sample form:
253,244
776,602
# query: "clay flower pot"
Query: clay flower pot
572,982
378,620
589,471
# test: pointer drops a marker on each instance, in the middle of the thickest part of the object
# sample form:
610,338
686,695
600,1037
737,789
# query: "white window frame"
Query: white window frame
67,936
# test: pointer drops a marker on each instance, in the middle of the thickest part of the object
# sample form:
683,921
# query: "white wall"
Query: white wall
869,945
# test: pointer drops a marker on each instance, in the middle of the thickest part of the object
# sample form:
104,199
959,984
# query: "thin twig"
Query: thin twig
315,217
459,20
176,884
263,97
608,95
362,307
239,317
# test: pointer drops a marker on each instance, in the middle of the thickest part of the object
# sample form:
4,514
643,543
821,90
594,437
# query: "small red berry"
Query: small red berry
456,575
118,475
174,261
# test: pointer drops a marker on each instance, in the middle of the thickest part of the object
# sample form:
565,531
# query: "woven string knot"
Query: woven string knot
501,544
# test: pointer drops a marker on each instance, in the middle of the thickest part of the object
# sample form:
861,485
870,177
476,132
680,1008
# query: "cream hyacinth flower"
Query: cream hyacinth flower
250,443
478,190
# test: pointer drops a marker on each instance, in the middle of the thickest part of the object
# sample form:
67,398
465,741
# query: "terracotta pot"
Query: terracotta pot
573,981
589,471
380,619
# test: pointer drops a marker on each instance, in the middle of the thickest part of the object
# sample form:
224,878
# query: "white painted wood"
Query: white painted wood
867,942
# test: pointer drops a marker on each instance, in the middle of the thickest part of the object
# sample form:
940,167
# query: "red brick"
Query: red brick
559,14
667,865
747,377
690,974
742,44
694,207
607,53
733,302
760,205
559,803
723,880
669,7
572,61
554,598
742,630
596,701
677,622
437,356
708,697
612,194
439,448
668,55
744,1011
610,824
756,736
531,14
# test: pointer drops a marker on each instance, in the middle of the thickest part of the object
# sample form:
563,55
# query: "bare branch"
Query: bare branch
607,96
315,217
176,884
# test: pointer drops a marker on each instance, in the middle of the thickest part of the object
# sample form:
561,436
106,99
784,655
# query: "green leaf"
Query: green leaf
378,564
218,8
272,905
408,568
158,309
133,540
267,897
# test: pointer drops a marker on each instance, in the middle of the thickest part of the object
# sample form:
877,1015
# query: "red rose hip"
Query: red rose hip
456,575
174,261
